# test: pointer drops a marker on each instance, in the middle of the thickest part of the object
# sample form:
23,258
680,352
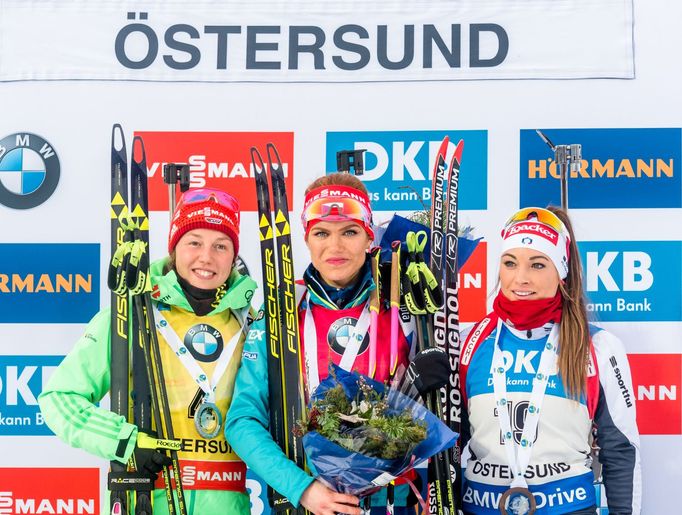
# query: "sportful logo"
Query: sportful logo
621,383
399,166
621,168
49,282
29,170
216,159
633,280
657,382
21,381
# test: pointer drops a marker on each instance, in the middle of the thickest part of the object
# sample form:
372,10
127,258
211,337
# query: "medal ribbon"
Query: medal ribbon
519,455
350,353
188,361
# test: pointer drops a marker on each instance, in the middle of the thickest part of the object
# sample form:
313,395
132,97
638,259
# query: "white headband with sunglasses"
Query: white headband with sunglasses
538,229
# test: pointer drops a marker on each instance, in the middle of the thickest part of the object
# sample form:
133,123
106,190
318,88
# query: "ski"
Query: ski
119,364
453,405
289,330
441,495
276,389
281,312
129,274
138,283
136,280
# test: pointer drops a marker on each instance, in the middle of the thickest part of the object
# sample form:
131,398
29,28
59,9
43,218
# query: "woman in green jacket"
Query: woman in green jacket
201,306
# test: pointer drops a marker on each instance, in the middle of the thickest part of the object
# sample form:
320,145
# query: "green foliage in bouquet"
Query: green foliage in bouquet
363,425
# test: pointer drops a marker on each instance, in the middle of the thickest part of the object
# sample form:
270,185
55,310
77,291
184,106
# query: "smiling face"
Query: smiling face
203,258
527,274
337,251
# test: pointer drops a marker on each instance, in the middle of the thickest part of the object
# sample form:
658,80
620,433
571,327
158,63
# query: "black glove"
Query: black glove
430,369
148,458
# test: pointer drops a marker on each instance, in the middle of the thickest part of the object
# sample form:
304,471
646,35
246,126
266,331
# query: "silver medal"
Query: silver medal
208,420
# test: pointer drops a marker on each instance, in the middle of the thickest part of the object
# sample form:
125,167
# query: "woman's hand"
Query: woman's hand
320,500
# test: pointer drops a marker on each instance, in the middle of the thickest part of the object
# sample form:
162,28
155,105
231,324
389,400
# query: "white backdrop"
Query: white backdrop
76,118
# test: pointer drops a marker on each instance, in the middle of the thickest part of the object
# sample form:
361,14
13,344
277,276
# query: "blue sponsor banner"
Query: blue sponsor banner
49,282
621,168
399,166
21,382
633,281
258,493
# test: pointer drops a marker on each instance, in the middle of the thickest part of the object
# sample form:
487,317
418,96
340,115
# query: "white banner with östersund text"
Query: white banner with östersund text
315,41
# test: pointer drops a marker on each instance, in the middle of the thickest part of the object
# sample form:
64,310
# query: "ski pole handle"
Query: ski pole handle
395,304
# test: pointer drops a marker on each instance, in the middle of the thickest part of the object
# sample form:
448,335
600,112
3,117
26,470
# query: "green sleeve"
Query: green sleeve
247,422
68,401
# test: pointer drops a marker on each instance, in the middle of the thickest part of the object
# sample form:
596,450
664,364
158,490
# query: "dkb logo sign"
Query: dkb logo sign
399,166
21,381
633,281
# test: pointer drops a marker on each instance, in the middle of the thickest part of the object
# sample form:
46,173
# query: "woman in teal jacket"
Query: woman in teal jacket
201,306
337,221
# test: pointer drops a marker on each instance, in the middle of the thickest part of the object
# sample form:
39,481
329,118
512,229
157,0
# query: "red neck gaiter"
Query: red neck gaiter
528,314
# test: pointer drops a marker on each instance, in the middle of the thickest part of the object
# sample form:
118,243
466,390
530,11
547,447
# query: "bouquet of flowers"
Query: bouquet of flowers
359,434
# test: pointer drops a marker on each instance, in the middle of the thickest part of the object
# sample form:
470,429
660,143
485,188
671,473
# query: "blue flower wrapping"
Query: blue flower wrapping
354,473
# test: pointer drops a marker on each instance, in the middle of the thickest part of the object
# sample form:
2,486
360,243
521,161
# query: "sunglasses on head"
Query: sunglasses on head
338,208
208,194
544,216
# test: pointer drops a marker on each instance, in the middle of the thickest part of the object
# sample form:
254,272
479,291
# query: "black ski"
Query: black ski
453,406
119,364
276,389
138,282
441,495
287,399
136,278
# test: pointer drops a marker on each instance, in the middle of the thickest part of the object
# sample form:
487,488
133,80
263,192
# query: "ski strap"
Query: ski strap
146,441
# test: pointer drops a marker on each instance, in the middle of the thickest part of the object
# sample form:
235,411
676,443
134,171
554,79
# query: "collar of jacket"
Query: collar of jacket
166,289
338,298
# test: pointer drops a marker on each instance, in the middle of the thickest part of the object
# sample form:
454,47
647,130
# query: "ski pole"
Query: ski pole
374,306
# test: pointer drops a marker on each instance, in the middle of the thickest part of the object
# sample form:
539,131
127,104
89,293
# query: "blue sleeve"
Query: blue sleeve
246,428
617,435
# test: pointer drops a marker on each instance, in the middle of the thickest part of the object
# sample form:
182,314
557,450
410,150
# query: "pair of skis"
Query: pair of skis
286,390
129,275
443,327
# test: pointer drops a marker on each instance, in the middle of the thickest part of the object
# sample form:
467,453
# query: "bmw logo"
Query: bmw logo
339,334
29,170
204,342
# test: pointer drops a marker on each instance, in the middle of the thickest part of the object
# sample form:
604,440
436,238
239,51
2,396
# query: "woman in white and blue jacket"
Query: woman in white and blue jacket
537,379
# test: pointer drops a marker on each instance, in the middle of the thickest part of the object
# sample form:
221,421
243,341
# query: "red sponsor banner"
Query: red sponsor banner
473,287
216,160
657,379
210,475
72,491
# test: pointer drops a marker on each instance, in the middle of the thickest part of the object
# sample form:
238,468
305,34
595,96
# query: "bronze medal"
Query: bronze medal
517,501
